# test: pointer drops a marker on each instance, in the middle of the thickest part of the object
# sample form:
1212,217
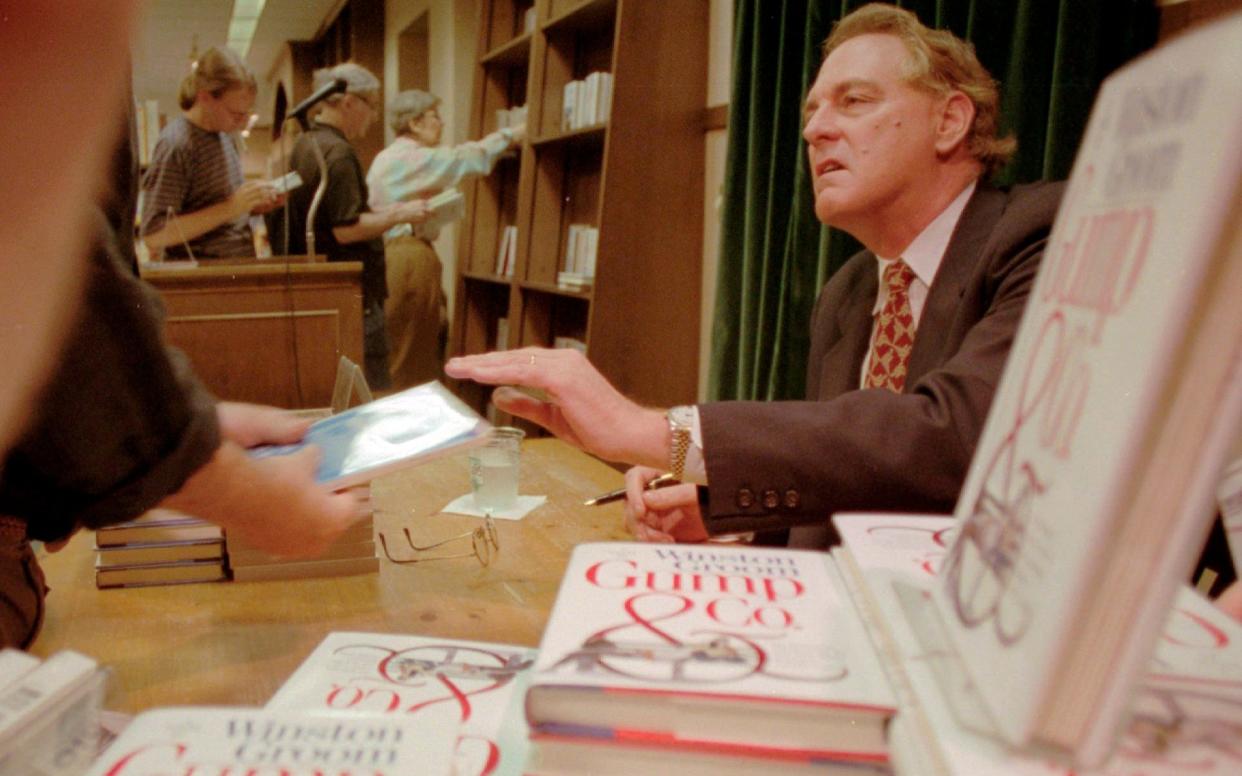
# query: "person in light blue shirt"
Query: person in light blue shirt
416,166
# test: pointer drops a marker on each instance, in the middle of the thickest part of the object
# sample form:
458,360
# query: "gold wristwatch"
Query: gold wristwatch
680,422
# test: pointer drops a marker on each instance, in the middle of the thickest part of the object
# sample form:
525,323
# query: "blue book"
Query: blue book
394,432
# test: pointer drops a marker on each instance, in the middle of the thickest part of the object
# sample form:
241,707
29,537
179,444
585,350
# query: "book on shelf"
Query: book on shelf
157,526
172,573
569,342
569,106
581,245
1091,491
469,691
49,715
587,102
502,333
385,435
510,117
237,741
506,255
574,281
588,95
1185,715
703,651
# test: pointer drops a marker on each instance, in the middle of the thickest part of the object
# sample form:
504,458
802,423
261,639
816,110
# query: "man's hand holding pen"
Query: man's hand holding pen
663,480
665,513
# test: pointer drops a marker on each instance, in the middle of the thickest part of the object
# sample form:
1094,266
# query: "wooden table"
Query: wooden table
234,643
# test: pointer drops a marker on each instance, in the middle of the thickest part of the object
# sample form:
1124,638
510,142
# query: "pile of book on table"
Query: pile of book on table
358,444
162,547
352,553
49,713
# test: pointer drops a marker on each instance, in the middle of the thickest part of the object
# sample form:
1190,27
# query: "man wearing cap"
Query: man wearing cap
345,228
416,165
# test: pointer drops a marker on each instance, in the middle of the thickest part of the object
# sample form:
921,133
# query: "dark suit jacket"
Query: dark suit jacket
776,464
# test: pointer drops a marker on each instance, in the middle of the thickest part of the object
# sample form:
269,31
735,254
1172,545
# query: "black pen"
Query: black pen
619,493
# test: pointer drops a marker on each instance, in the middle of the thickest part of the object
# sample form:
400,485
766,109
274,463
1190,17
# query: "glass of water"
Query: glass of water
494,470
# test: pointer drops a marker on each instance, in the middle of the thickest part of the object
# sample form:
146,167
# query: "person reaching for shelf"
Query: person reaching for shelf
414,166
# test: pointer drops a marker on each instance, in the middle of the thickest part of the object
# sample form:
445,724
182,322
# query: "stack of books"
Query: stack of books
587,102
162,547
49,713
510,117
352,553
578,267
572,343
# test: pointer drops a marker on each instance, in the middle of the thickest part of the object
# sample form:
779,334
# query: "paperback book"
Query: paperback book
1092,489
384,435
726,650
218,741
469,691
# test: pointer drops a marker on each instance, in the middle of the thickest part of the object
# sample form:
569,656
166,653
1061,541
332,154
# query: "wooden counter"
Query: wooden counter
266,332
234,643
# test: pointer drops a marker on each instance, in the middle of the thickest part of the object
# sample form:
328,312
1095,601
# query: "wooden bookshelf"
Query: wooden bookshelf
637,178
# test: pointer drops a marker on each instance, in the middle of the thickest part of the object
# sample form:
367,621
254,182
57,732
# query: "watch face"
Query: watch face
682,415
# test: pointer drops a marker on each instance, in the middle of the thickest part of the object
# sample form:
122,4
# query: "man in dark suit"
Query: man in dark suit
909,338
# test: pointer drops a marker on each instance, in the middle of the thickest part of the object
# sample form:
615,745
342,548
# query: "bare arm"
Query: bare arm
274,503
254,195
373,224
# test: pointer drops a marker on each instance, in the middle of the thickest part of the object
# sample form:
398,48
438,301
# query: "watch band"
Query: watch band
679,427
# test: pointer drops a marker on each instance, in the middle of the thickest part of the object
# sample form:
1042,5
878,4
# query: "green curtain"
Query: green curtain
1050,57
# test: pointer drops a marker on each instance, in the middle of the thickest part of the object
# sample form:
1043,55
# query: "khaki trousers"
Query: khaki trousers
415,313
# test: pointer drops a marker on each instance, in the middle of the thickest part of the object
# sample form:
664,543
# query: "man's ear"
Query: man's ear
953,122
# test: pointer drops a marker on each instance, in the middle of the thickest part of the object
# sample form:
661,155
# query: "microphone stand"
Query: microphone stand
319,191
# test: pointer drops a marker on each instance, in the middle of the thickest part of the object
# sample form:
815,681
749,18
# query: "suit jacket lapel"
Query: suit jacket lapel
842,365
961,257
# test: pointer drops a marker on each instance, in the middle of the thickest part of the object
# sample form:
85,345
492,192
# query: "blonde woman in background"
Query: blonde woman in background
417,166
194,198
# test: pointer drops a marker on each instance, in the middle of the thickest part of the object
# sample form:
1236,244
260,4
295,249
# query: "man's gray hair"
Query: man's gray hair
408,106
359,79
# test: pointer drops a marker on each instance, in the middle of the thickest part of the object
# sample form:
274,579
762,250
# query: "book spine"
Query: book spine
569,110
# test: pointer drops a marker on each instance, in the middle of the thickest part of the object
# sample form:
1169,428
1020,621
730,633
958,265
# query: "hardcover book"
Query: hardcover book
395,432
725,649
470,690
1091,491
218,741
1184,718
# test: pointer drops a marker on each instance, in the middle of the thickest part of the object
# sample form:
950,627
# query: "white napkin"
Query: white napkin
464,505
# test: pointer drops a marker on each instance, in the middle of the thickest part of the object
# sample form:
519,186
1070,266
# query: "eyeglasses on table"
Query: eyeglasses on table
484,545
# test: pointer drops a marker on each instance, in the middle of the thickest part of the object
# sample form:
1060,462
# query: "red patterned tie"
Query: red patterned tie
894,332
